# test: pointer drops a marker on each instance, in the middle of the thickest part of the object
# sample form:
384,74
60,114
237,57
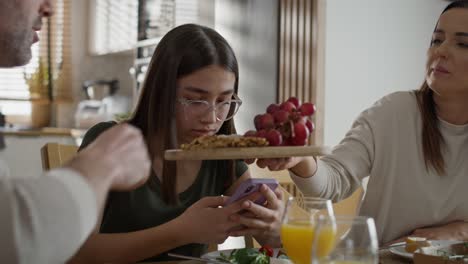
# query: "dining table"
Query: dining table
385,257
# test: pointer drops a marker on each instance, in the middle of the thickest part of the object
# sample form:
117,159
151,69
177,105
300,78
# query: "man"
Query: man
46,219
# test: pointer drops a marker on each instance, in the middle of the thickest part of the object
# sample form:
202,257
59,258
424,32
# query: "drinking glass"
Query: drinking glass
297,229
355,240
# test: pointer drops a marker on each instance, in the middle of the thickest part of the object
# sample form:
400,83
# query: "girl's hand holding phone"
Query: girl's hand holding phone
250,186
208,220
261,221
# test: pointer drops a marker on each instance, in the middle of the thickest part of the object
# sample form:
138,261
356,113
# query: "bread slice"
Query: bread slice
224,141
415,243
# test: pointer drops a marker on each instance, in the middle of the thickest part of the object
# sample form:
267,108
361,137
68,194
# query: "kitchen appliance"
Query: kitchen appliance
143,57
101,103
155,18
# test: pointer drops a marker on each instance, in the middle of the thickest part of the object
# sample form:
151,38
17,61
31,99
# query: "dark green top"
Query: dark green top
144,207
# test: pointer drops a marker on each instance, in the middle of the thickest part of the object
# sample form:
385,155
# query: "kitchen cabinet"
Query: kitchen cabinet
22,151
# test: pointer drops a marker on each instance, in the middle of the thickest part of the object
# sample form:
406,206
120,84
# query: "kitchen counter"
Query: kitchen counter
46,131
21,148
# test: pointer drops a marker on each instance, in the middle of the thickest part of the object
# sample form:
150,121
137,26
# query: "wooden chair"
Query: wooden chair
55,155
348,206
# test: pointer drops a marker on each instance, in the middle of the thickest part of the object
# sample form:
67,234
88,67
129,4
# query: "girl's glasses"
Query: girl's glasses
224,110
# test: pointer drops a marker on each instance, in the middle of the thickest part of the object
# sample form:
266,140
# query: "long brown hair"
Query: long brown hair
182,51
432,140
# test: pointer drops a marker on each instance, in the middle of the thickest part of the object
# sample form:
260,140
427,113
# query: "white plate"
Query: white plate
400,250
215,254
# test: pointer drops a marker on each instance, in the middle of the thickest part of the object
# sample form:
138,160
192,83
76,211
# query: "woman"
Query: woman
413,145
190,91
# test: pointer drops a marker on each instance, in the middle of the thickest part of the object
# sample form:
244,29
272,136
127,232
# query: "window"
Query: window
22,87
14,90
186,11
113,26
157,17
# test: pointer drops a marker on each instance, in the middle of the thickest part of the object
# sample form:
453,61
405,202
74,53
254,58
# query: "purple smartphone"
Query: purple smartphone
250,186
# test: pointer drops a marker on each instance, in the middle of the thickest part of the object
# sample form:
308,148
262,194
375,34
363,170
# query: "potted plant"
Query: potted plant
38,83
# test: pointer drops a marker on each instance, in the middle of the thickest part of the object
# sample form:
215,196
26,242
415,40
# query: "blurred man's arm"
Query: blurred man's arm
46,219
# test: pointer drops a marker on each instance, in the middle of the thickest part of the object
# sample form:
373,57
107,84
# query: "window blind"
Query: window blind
186,11
14,89
60,52
157,17
20,86
114,25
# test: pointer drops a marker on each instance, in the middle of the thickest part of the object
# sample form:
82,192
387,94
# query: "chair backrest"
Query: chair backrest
55,155
350,205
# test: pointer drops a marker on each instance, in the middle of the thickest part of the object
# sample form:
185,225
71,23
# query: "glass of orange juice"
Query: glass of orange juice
355,240
298,227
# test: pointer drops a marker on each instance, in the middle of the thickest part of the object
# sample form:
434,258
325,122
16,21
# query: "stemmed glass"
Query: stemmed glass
355,240
297,229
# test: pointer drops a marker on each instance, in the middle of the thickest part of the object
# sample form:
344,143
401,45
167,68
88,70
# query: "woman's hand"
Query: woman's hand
276,164
263,222
205,222
457,230
301,166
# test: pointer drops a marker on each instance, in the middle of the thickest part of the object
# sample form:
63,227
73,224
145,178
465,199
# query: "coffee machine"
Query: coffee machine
101,104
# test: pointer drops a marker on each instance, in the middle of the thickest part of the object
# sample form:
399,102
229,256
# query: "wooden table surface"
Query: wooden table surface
388,258
385,258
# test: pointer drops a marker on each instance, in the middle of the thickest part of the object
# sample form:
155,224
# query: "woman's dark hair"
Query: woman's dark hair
456,4
182,51
432,140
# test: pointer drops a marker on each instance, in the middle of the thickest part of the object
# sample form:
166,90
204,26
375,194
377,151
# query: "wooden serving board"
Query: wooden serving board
245,153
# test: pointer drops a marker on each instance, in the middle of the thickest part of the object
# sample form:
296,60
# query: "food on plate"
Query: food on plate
458,251
266,250
415,243
264,255
285,124
224,141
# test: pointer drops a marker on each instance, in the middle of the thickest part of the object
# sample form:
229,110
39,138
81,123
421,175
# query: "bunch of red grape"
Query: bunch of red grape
286,124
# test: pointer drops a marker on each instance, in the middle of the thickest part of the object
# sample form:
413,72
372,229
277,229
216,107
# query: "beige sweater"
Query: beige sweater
45,219
385,144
